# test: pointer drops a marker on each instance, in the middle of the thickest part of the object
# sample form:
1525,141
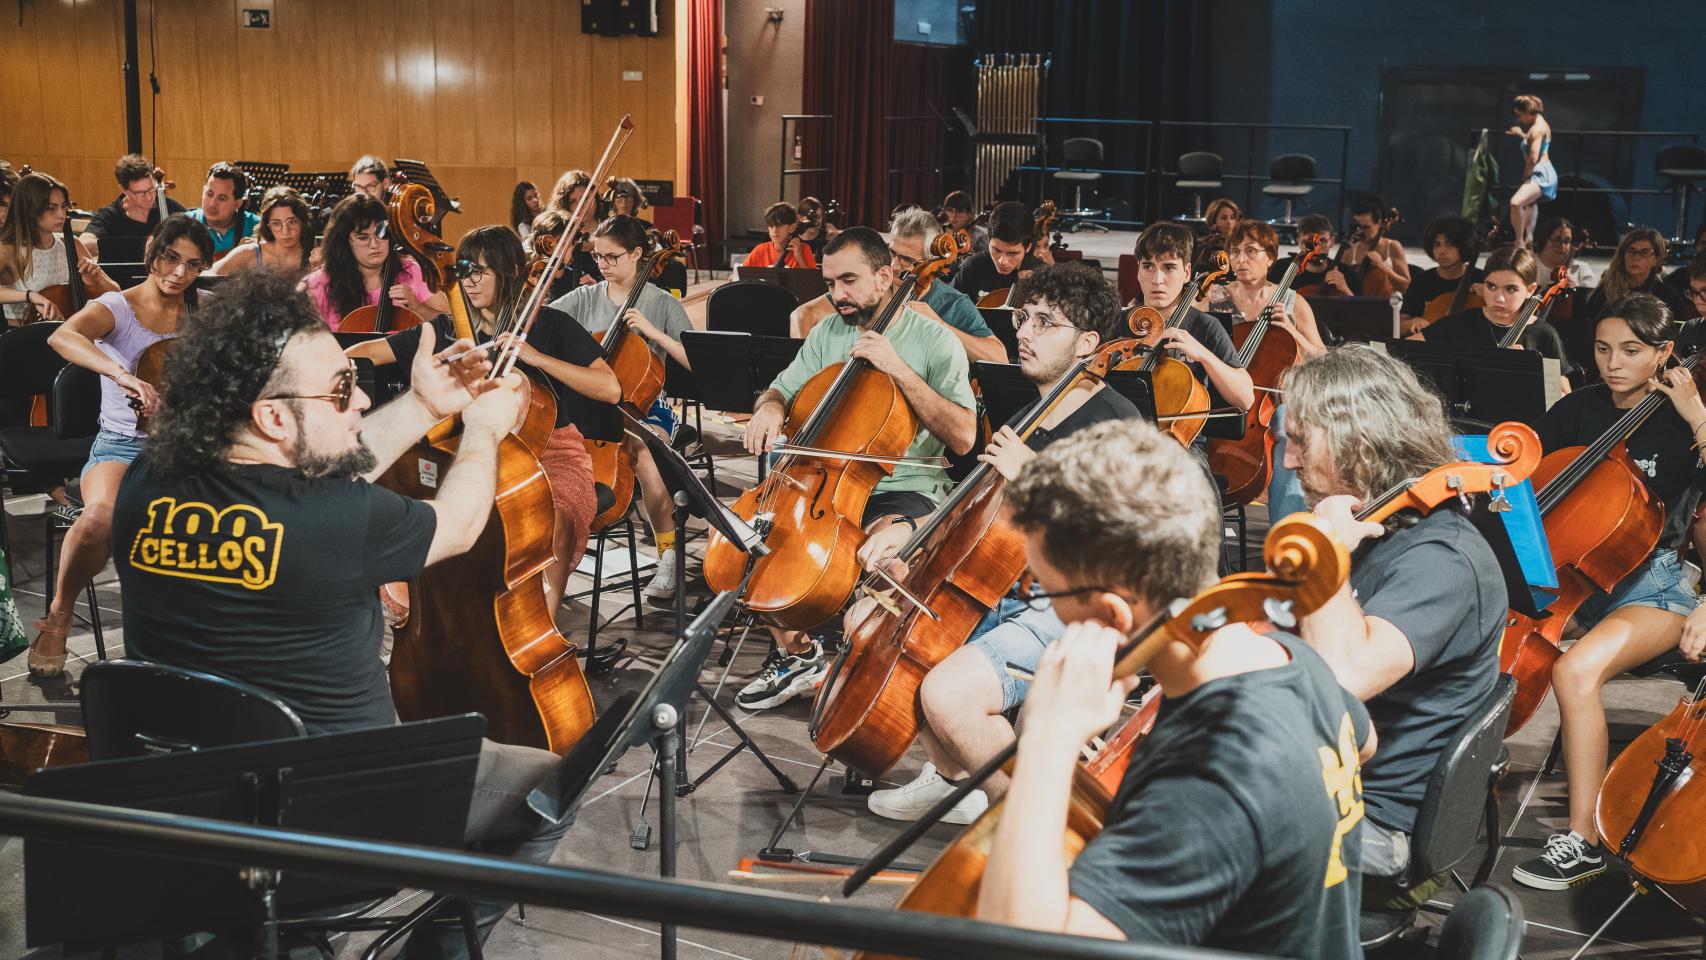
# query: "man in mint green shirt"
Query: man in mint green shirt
929,366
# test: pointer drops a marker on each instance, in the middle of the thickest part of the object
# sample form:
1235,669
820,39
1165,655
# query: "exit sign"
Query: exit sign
257,18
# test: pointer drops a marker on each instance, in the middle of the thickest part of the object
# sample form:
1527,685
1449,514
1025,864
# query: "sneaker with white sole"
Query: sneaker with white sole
783,677
1567,861
913,800
662,586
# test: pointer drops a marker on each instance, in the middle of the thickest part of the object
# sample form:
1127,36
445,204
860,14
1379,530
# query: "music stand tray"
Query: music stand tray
731,368
1006,390
409,783
1363,319
805,285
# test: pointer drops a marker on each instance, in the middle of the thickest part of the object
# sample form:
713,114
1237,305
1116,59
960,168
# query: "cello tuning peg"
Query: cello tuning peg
1279,613
1498,502
1209,622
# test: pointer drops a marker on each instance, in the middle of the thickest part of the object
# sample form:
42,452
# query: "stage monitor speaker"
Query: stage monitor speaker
617,18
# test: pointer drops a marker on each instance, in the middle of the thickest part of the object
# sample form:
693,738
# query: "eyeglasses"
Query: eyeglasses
1248,252
902,260
474,272
1644,253
1561,240
1044,322
606,259
147,191
340,400
172,261
277,225
1697,294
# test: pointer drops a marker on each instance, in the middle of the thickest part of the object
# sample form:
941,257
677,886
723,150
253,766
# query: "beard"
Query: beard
860,315
343,465
1043,370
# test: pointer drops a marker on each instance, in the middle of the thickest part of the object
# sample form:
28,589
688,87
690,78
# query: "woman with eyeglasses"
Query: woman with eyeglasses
558,354
357,257
1634,268
107,336
1555,243
282,239
618,246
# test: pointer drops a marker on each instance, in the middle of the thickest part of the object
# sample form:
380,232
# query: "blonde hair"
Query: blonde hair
1124,506
1380,423
1528,103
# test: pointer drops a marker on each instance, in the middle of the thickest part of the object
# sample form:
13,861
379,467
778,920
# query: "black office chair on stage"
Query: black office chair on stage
1683,167
747,306
1287,174
1199,171
1077,155
1461,799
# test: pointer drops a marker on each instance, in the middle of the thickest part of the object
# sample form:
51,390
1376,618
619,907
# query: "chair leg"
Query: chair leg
597,589
634,572
1494,835
95,623
1553,755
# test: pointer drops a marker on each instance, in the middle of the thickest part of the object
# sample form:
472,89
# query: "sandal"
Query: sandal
47,666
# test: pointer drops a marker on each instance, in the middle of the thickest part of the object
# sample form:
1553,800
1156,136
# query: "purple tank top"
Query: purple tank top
125,343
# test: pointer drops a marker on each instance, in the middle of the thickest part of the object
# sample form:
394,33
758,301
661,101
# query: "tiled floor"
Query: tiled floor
733,814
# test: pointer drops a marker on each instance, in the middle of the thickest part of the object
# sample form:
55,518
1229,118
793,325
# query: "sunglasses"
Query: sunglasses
345,392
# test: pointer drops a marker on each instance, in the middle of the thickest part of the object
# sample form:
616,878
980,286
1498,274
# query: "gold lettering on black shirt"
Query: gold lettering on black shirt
236,545
1341,772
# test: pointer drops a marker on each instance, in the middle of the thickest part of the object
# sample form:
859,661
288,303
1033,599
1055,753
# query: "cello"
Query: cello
1181,400
404,202
847,428
1525,315
1601,524
1267,354
1358,278
962,559
480,636
641,374
1306,567
1651,803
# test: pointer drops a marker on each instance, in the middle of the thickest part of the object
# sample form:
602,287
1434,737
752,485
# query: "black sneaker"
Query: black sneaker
784,677
1567,861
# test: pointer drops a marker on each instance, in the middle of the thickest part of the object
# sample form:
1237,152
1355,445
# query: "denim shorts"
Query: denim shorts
111,447
1657,584
1016,632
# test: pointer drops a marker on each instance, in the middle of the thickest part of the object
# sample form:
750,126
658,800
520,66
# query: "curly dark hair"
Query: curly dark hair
1456,230
344,286
1079,291
225,358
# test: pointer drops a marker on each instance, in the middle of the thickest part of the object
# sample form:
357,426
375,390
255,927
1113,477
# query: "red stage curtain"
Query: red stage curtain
849,59
705,125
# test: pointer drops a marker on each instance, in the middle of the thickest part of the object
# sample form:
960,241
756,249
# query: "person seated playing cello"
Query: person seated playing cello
558,354
929,367
1373,260
1652,610
1237,823
785,248
358,257
1067,312
1414,631
1013,253
1450,240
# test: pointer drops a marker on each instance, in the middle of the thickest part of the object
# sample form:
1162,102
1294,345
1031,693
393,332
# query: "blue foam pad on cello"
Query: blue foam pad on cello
1524,527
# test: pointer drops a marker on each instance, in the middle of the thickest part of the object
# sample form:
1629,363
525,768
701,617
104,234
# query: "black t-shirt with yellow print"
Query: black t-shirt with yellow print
1238,824
259,574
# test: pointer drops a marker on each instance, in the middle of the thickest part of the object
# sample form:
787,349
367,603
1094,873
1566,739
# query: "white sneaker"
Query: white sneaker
912,801
783,677
663,584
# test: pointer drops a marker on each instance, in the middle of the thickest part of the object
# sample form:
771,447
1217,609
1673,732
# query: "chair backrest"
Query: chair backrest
1081,152
134,708
678,216
1484,924
76,409
1292,166
747,306
1450,816
1199,165
1127,273
27,364
1680,156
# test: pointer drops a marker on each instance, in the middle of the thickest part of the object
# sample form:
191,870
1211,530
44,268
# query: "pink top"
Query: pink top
315,284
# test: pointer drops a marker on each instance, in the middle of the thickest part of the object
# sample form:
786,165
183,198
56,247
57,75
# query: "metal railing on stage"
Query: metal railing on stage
706,906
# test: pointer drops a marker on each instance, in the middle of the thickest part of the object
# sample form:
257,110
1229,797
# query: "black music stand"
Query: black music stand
805,285
262,177
410,783
1362,319
1482,386
1006,390
1000,321
693,500
652,715
737,367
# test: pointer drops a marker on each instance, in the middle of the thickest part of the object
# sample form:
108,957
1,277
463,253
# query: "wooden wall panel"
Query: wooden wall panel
485,91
